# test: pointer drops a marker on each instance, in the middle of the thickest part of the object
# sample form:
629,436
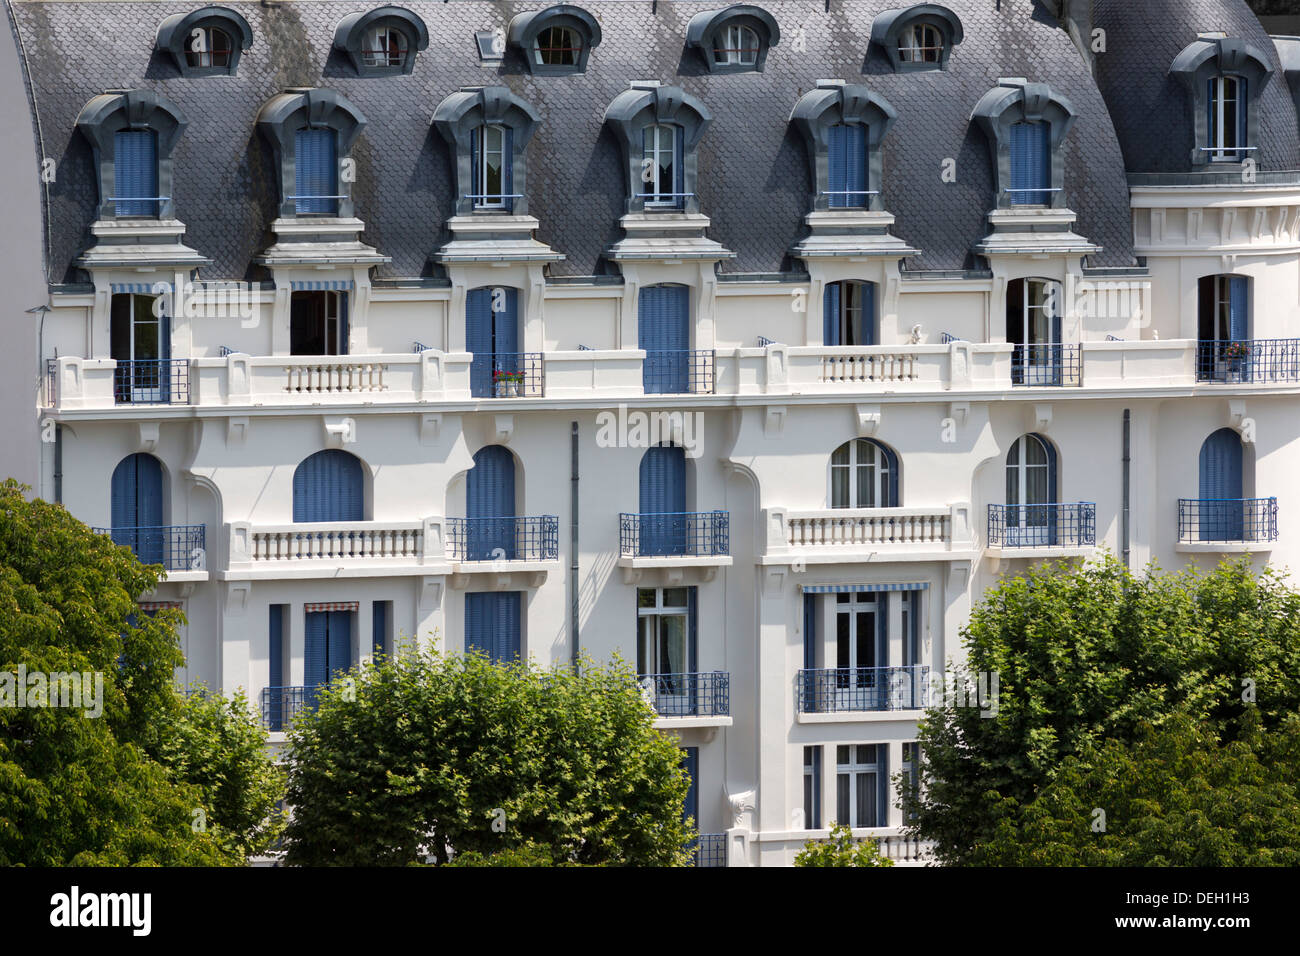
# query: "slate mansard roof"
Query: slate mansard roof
754,179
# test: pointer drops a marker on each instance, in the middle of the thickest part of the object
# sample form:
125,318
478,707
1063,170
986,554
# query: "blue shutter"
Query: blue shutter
136,491
856,166
868,293
691,808
505,333
343,322
492,624
1030,163
664,331
838,162
315,651
1237,315
339,646
882,782
275,645
378,627
831,314
1053,514
329,486
811,703
478,340
663,500
135,172
315,171
490,504
1222,487
891,461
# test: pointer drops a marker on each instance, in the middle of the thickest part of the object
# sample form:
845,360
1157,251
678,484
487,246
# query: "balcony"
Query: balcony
178,548
711,850
679,372
151,382
281,706
689,695
532,538
507,375
849,535
1227,524
686,538
1043,530
837,690
1248,361
1047,365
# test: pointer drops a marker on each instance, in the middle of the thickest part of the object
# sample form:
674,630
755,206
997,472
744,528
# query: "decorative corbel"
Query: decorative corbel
868,420
1041,417
339,431
503,427
148,437
773,421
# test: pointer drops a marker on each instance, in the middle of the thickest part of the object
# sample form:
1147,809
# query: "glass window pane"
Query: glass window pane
645,597
672,643
842,784
866,802
674,597
842,754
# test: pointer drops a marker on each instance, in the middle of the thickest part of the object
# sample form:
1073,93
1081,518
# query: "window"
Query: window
912,770
318,323
1224,77
208,46
859,647
860,781
381,612
1031,169
329,486
311,132
327,649
662,513
1221,513
849,314
316,173
384,47
1031,493
921,43
1034,327
490,505
691,806
864,474
1025,125
139,337
135,171
661,166
1224,352
492,167
664,331
492,625
137,506
276,708
812,788
205,42
558,46
736,44
381,42
847,155
843,127
1226,119
665,648
492,336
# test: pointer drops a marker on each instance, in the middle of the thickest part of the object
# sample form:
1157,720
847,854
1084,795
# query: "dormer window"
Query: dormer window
133,133
843,126
659,130
1224,77
661,166
312,132
135,173
734,39
1031,164
555,41
206,42
1226,119
208,47
919,37
488,128
315,178
922,43
492,168
1026,124
385,48
381,42
847,158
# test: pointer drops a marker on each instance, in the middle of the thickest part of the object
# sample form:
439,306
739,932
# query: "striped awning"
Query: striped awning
150,606
146,288
857,588
333,606
321,285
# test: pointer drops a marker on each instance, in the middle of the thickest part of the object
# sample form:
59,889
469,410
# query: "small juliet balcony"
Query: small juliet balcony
679,372
532,538
1047,365
508,375
1248,361
840,690
281,706
675,539
1047,530
689,699
1227,524
180,549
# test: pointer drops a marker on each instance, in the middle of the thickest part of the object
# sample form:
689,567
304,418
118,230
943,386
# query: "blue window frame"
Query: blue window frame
664,332
316,169
492,336
663,500
1222,487
847,155
329,486
135,172
490,505
849,313
812,786
1031,493
1031,164
137,506
492,620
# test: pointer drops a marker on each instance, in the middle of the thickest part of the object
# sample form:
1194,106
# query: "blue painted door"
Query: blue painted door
490,506
135,172
329,486
492,624
137,507
1222,487
492,335
664,331
1031,170
315,178
847,156
379,628
663,501
327,648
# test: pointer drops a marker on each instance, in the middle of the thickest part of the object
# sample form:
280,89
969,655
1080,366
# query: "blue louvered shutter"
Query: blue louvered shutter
315,172
492,624
343,322
478,340
1030,164
838,163
810,652
340,641
868,331
505,333
1222,487
882,785
329,486
490,505
315,652
1238,324
274,704
664,331
691,808
891,461
831,314
149,484
135,172
1053,514
663,501
379,628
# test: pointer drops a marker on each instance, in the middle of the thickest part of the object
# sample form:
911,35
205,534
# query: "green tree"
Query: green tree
841,850
78,789
1175,797
426,752
1088,655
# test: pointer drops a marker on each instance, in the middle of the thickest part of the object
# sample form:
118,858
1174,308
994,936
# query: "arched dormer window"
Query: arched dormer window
1026,123
843,126
554,41
207,42
1224,78
920,37
132,134
734,39
489,129
381,42
312,132
659,129
864,474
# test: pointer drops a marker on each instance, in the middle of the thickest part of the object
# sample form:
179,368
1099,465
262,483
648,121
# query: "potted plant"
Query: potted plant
508,384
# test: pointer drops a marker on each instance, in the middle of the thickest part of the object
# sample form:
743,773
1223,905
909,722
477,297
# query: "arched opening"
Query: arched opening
491,527
329,486
1031,483
137,507
1222,506
663,518
864,474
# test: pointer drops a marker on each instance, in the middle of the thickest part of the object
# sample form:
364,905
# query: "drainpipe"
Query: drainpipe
1124,512
58,464
573,545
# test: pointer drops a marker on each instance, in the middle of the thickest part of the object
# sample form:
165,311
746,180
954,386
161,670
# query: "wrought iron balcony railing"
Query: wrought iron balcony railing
151,382
1047,365
678,372
711,850
532,538
282,705
507,375
1245,520
706,694
1234,361
51,382
830,690
175,547
1071,525
694,534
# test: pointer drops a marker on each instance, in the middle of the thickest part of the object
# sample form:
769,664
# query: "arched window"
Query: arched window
312,132
1031,493
133,134
205,42
493,167
843,127
849,313
208,47
554,41
864,474
1025,125
137,507
329,486
489,129
382,41
921,43
490,505
659,130
663,516
734,39
919,37
558,46
1222,488
1224,77
384,47
735,45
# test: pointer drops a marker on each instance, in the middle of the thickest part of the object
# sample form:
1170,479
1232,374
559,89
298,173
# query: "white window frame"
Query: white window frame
482,200
377,52
656,614
919,40
192,54
656,193
852,770
880,482
739,46
1222,133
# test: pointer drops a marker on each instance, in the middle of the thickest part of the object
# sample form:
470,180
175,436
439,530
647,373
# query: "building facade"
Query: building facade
751,343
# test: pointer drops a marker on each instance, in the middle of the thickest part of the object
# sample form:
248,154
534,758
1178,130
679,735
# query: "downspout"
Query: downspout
58,464
1124,511
573,545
